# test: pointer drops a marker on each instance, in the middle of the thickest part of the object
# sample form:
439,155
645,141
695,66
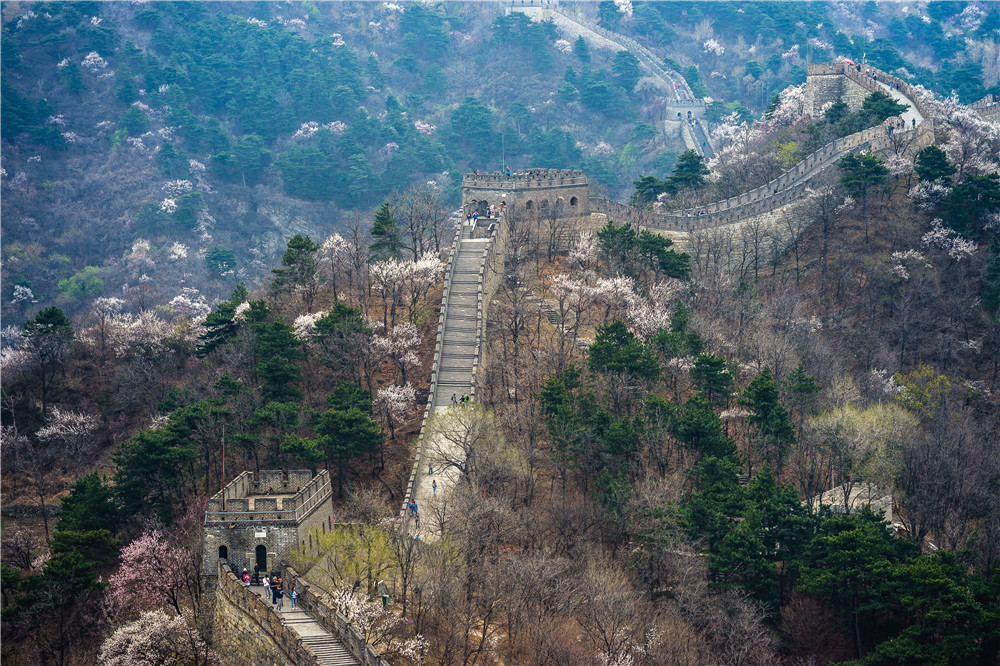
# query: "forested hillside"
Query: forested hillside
225,232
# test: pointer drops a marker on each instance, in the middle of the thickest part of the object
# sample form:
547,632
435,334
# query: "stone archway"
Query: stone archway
223,552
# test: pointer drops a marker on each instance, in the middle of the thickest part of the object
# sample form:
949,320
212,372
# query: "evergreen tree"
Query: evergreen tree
616,350
800,390
608,15
278,352
220,325
151,468
388,243
862,175
849,562
716,502
774,430
626,70
932,164
91,505
698,426
711,376
581,50
689,172
948,623
654,249
47,336
298,271
347,430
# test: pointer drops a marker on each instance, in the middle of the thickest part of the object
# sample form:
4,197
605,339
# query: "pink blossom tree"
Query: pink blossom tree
153,574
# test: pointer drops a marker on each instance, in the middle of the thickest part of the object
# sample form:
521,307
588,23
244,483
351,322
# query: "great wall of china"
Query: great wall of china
475,265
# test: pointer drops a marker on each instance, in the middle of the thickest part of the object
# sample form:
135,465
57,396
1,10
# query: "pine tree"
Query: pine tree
711,376
298,271
689,172
278,352
388,243
48,336
774,430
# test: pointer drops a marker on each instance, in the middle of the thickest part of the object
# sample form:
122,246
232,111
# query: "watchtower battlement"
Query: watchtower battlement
528,192
261,517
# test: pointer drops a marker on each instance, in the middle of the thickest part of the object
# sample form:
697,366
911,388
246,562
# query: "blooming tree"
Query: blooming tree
156,638
304,325
380,626
584,250
400,345
73,430
153,574
421,275
949,240
335,252
394,403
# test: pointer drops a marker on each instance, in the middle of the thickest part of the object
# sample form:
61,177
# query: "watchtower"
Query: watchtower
531,193
828,82
260,518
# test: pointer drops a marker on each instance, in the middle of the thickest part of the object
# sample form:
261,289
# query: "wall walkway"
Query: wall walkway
251,632
475,267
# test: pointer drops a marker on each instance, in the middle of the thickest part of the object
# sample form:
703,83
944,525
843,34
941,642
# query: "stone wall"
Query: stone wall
248,632
319,605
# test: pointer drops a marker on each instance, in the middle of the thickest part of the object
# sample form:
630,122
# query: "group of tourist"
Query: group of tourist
455,400
275,589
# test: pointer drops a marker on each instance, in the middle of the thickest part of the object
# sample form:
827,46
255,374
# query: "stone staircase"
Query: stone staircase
327,647
458,344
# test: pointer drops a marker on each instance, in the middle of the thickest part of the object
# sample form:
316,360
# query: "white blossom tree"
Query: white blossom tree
156,638
73,430
394,404
400,345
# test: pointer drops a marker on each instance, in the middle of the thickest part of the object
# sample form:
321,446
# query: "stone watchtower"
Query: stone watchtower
531,193
261,518
828,82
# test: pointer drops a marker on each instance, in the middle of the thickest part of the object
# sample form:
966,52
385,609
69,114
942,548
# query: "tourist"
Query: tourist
294,596
246,578
267,587
278,598
256,573
434,487
454,398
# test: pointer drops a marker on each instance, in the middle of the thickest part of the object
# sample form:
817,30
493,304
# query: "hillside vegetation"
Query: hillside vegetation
226,227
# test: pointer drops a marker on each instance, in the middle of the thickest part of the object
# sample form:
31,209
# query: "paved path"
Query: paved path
324,645
455,367
458,345
910,114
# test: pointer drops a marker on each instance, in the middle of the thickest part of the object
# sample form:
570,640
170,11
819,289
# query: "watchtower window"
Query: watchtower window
529,204
223,553
544,206
573,201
